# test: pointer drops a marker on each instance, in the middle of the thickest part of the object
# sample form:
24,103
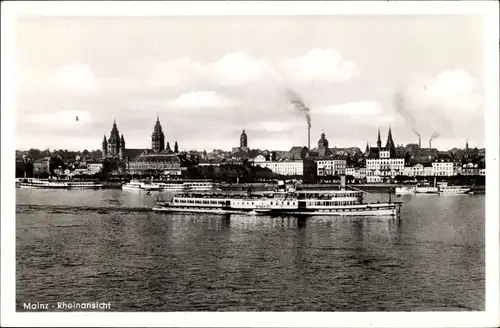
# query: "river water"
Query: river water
108,246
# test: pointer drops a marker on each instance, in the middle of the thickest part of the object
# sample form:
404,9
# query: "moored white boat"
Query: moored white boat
453,190
427,190
405,190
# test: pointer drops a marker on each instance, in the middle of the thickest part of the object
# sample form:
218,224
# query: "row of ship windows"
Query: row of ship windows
192,201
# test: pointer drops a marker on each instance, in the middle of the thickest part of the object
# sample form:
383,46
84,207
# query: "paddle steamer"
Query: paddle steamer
281,202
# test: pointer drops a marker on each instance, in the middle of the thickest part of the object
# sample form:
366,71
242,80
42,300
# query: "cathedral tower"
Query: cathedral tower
114,142
157,137
104,147
122,148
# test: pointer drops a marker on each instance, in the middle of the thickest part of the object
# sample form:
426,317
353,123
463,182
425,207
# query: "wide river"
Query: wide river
108,246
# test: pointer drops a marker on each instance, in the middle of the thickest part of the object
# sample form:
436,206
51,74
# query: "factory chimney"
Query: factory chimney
309,137
430,144
419,145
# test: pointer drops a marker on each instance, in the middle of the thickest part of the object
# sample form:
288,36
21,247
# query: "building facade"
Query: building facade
295,167
382,165
328,166
445,168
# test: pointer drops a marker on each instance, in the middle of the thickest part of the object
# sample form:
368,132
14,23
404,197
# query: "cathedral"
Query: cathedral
114,147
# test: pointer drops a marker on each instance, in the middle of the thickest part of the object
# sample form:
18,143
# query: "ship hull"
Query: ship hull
22,185
358,210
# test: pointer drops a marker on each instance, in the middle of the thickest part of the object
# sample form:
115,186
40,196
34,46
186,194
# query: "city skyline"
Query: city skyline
234,74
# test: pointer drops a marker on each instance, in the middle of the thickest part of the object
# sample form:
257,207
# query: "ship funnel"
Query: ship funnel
342,182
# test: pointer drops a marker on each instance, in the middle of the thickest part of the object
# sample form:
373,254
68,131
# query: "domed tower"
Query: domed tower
243,140
322,142
157,137
114,141
122,147
104,147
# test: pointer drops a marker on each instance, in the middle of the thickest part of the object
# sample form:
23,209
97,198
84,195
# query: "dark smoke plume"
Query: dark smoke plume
435,135
296,100
400,106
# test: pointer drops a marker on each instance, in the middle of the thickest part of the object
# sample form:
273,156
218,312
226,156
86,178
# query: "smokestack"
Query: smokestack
419,145
309,137
430,145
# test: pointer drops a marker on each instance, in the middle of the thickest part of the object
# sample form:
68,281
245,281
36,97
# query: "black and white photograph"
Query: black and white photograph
250,164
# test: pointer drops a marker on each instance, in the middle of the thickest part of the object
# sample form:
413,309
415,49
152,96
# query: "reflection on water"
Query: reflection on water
108,245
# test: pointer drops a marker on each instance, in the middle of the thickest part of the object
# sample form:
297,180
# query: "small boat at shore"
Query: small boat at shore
426,190
454,190
406,190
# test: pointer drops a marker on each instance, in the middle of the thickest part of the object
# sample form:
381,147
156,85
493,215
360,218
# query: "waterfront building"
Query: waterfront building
428,170
286,167
331,165
445,167
470,169
94,167
414,170
149,162
382,165
41,166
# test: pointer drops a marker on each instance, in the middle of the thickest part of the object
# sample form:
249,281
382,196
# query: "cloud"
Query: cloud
77,78
64,119
325,65
361,109
201,99
440,103
240,68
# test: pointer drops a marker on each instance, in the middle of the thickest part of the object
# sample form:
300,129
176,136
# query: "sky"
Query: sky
209,77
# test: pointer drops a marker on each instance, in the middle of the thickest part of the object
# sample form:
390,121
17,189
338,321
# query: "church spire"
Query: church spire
390,142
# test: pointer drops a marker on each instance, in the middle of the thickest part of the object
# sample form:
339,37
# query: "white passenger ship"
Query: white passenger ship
85,185
406,190
136,185
199,186
58,184
326,203
46,184
426,190
453,190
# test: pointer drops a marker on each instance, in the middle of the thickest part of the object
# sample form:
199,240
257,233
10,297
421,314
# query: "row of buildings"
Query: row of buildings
376,164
